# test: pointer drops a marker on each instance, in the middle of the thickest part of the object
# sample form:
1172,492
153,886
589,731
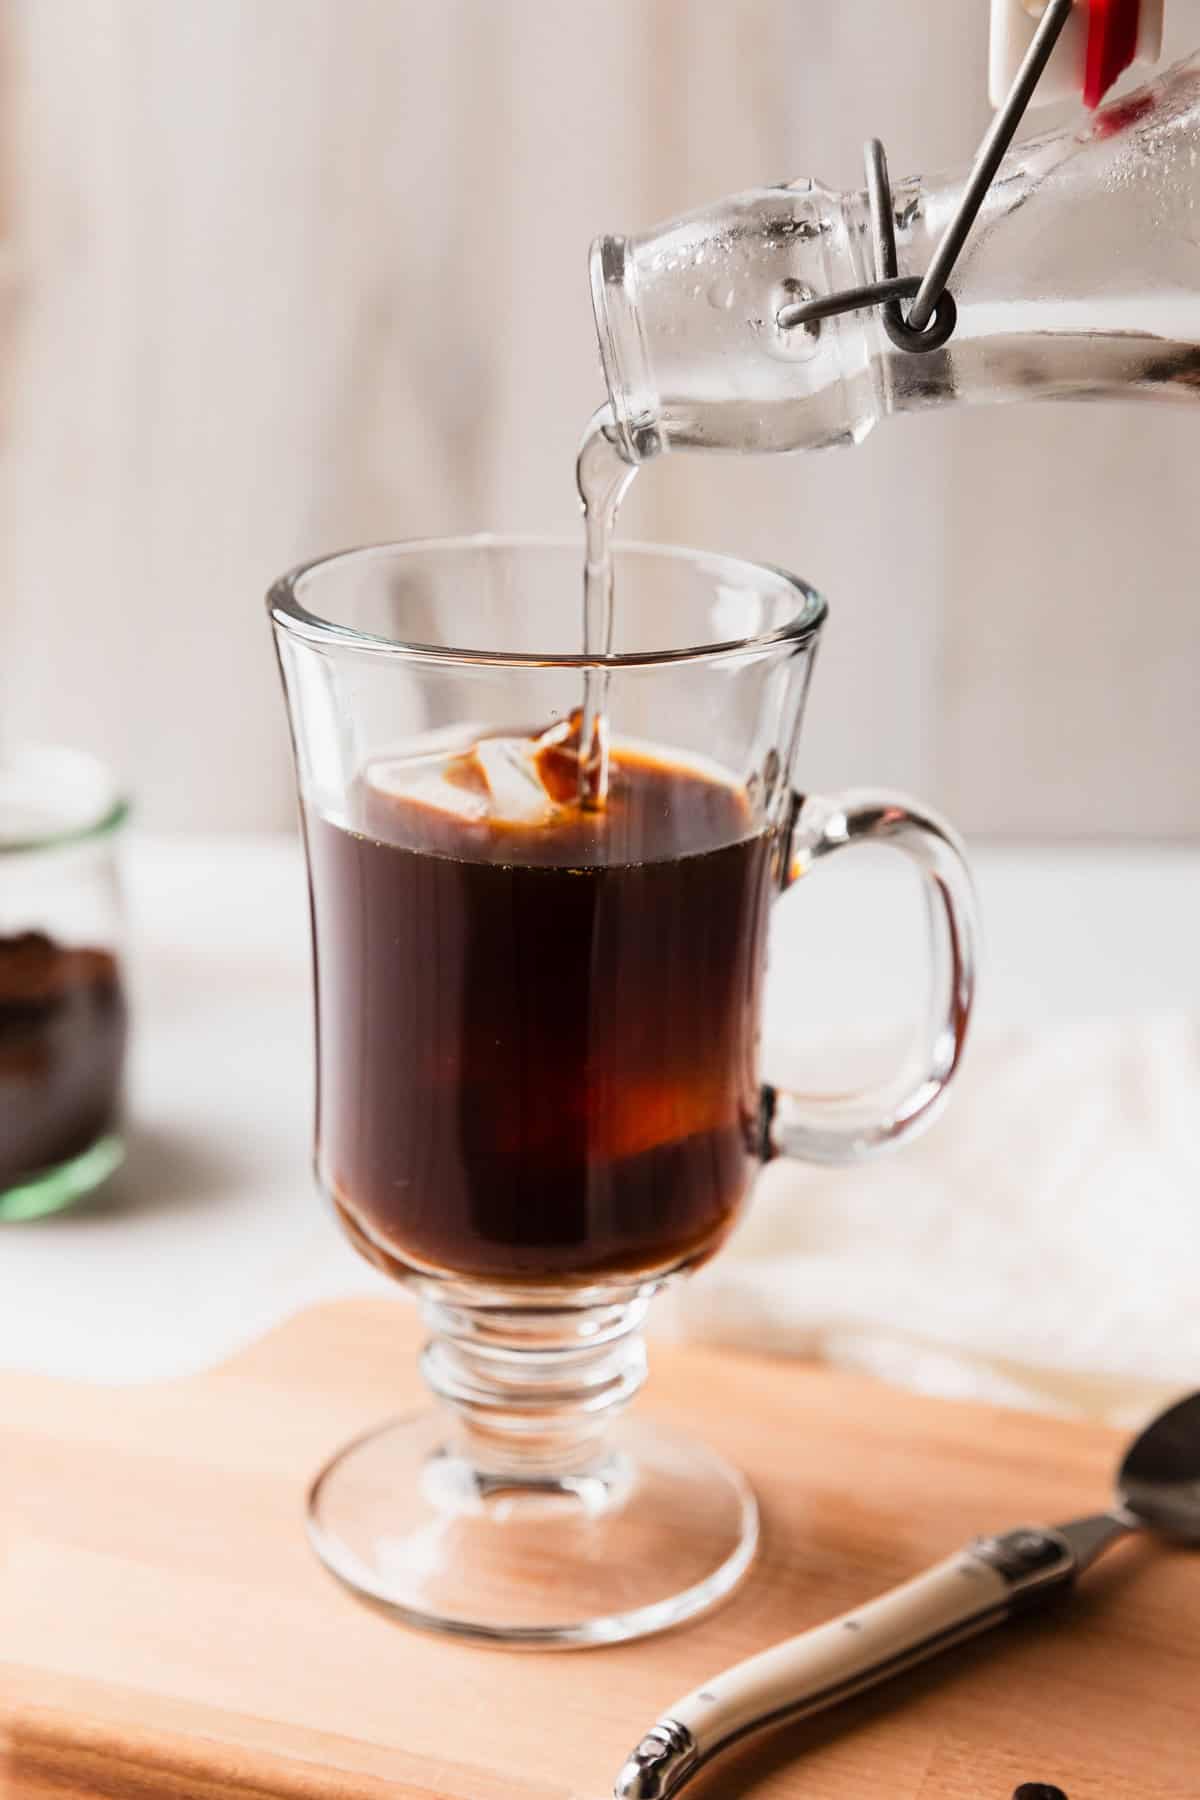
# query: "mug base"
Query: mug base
655,1533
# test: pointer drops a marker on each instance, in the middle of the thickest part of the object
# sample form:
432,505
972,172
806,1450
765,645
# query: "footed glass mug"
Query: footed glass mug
537,1042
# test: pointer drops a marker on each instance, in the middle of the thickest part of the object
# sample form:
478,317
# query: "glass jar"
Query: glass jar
63,1015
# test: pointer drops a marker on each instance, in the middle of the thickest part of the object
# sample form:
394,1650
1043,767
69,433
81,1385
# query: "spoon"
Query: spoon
1158,1489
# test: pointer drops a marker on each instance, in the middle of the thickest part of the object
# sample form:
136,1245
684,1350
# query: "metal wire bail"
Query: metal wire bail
933,314
903,333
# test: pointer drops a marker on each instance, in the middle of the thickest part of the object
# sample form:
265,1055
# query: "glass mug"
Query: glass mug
537,1042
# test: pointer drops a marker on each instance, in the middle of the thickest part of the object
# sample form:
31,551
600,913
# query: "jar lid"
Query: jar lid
52,796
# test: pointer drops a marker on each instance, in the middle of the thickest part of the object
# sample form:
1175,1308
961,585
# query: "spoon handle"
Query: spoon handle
970,1591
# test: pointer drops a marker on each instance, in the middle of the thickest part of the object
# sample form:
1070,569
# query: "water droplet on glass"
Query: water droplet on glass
722,295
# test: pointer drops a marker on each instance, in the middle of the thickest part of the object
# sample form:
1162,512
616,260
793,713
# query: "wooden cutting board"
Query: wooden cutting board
166,1633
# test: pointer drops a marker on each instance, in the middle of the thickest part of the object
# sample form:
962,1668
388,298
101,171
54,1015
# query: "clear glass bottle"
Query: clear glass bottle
1081,279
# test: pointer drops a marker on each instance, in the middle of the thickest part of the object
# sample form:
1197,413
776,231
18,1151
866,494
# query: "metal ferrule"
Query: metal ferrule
659,1765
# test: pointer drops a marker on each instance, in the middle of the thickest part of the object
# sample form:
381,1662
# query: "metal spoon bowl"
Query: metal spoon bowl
1158,1482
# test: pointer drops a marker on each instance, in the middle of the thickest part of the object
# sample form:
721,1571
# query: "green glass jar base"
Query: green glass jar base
51,1190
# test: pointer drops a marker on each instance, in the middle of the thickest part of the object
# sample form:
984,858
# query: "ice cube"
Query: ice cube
446,797
448,784
510,769
556,753
497,780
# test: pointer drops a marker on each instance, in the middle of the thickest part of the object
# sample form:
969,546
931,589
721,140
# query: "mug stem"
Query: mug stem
531,1392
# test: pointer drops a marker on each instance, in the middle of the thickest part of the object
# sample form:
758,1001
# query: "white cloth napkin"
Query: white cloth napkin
1040,1245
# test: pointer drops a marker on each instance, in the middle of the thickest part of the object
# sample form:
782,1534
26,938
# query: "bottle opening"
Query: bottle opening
623,352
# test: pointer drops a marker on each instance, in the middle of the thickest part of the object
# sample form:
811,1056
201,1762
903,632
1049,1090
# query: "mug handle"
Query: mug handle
847,1128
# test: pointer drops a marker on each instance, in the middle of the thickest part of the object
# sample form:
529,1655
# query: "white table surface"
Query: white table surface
213,1231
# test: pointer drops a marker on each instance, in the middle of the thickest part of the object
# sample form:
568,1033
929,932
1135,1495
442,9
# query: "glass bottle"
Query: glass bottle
1081,279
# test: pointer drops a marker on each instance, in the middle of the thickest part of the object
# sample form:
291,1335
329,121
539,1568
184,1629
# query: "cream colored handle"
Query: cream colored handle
951,1601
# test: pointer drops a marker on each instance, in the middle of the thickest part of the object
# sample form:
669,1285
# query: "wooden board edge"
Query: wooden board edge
94,1741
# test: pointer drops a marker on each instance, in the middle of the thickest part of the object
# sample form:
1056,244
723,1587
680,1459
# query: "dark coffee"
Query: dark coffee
62,1048
537,1043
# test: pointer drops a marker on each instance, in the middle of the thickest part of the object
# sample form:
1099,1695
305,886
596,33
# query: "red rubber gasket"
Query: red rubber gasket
1111,44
